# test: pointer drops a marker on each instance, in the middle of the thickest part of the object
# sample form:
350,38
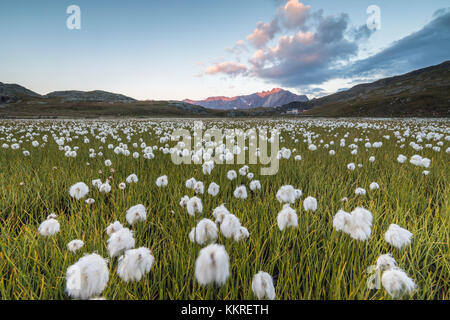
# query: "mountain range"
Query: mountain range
420,93
266,99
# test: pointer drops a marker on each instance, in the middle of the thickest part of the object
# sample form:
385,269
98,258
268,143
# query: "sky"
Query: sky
178,49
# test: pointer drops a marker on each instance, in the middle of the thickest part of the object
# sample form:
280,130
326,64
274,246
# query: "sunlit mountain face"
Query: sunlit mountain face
269,99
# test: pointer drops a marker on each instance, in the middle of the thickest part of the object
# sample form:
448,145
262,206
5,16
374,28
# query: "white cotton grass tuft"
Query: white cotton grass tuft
190,183
287,217
357,224
122,186
420,161
78,190
360,192
89,201
262,286
240,234
194,205
113,227
213,189
374,186
132,178
231,175
136,213
386,262
397,283
134,264
397,236
286,194
230,225
401,158
75,245
183,201
205,231
219,213
240,192
120,241
212,265
50,226
87,277
199,187
162,181
310,204
255,185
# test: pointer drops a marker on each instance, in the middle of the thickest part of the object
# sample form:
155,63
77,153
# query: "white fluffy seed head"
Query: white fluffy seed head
341,220
213,189
310,204
240,192
87,277
75,245
398,236
205,231
134,264
255,185
78,190
136,213
194,205
286,194
386,262
397,283
262,286
230,225
219,213
287,217
113,227
49,227
212,265
120,241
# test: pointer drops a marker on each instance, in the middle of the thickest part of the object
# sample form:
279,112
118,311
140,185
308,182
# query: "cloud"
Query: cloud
308,57
263,33
428,46
293,14
238,48
230,68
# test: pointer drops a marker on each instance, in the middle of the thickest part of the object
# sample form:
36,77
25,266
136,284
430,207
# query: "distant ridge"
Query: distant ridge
267,99
96,95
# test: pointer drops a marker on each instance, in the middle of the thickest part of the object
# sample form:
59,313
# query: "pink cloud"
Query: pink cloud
229,68
263,33
294,14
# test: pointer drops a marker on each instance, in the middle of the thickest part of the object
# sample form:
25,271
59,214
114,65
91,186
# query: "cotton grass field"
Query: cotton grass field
320,253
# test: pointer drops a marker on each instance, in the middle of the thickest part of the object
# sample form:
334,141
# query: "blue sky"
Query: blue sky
178,49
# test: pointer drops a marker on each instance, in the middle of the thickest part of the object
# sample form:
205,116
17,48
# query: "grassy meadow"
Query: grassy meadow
311,261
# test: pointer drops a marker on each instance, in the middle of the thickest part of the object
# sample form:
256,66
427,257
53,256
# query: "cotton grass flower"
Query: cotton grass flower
386,262
162,181
205,231
255,185
122,186
351,166
87,277
213,189
89,201
75,245
398,236
241,234
190,183
262,286
230,225
183,201
401,159
240,192
360,192
78,190
134,264
397,283
194,205
113,227
212,265
374,186
357,224
199,187
310,204
231,175
286,194
50,226
132,178
287,217
120,241
219,213
136,213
